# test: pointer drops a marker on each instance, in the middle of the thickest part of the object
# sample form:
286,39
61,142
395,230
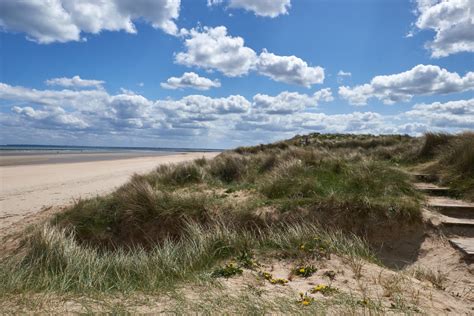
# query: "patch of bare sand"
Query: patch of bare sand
391,290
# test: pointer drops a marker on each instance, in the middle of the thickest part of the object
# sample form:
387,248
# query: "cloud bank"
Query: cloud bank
402,87
198,120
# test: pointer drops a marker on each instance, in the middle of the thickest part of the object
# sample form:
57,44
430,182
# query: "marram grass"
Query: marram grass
51,260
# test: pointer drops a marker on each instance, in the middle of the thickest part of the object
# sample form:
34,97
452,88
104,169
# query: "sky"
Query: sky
225,73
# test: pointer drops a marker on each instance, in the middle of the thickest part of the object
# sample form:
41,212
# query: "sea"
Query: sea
35,149
15,155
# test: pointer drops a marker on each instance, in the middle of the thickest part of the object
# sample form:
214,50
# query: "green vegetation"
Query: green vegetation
51,260
340,179
305,271
451,157
183,223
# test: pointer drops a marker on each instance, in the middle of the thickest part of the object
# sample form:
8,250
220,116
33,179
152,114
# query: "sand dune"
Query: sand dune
27,189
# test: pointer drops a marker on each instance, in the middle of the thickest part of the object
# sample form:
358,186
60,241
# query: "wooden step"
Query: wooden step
425,177
451,207
448,221
431,188
465,245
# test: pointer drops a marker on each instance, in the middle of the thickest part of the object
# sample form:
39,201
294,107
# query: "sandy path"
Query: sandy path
26,190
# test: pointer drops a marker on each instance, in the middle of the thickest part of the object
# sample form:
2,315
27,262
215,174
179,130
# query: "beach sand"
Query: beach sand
27,189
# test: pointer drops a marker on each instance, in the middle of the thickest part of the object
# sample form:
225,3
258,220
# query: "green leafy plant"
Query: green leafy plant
305,271
247,260
229,270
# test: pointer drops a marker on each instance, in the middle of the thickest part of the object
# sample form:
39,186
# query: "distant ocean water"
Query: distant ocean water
20,148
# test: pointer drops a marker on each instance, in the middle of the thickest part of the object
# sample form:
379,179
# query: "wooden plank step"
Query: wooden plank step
431,188
451,207
425,177
448,221
465,245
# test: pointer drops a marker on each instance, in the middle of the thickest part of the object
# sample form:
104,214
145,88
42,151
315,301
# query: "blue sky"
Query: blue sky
244,71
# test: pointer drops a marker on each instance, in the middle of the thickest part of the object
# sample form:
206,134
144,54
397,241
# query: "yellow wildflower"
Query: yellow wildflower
279,281
319,288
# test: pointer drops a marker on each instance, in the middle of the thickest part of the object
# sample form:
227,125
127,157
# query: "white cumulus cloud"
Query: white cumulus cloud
74,82
289,102
265,8
289,69
402,87
213,49
65,20
341,75
190,80
51,117
453,23
452,114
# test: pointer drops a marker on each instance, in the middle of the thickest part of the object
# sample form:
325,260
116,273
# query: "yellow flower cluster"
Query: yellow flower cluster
305,300
279,281
305,271
319,288
266,275
269,277
324,289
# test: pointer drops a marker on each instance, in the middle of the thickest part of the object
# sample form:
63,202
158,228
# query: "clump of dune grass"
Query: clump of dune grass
332,184
455,164
201,162
432,143
135,213
51,259
227,168
181,174
460,154
435,277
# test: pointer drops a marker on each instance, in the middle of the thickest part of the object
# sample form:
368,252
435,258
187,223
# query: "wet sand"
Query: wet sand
27,188
16,158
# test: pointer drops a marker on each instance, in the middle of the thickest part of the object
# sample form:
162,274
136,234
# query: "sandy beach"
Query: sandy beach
26,189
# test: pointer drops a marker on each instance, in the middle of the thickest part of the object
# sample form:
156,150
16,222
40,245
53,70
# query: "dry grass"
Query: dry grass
454,161
51,259
432,144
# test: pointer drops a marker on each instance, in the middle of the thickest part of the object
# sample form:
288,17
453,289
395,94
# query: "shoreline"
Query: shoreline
27,189
41,158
